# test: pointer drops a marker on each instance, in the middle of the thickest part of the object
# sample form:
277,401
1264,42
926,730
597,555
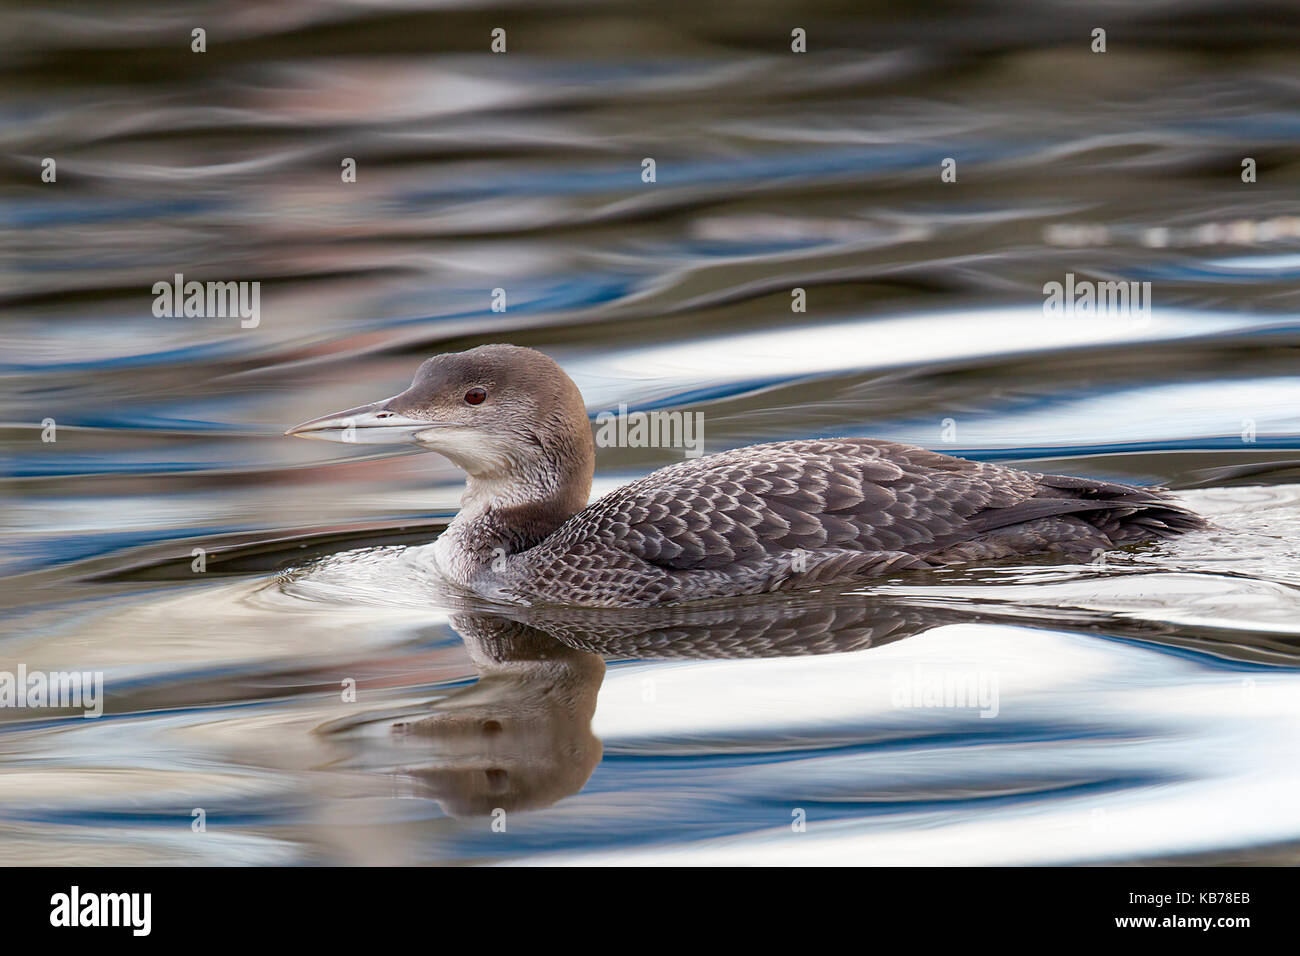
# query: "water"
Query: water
1140,707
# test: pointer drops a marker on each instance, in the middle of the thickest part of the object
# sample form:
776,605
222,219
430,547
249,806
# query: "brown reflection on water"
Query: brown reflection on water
520,737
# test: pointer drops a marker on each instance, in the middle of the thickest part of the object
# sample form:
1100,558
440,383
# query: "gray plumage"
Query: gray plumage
769,517
802,513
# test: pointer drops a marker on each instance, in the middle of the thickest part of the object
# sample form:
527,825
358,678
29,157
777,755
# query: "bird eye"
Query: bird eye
475,396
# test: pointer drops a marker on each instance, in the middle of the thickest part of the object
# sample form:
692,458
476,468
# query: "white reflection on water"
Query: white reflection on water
1152,754
927,340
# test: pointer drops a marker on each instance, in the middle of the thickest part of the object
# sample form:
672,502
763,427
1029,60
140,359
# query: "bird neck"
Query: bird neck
506,512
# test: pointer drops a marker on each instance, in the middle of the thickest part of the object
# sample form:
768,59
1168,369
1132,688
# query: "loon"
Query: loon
770,517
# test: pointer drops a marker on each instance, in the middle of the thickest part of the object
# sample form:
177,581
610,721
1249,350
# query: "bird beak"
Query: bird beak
373,424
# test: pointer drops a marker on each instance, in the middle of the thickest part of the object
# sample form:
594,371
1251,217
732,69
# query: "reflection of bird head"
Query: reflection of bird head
521,736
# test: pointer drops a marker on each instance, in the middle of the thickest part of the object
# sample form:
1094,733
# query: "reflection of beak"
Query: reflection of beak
373,424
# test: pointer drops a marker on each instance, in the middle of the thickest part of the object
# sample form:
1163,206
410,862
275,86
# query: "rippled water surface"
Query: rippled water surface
1143,706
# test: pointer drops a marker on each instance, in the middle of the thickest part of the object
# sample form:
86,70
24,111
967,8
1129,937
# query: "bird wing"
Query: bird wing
845,494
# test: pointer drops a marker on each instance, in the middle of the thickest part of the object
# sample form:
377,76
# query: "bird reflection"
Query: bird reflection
520,737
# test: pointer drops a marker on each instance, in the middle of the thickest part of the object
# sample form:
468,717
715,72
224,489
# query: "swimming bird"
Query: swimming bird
770,517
